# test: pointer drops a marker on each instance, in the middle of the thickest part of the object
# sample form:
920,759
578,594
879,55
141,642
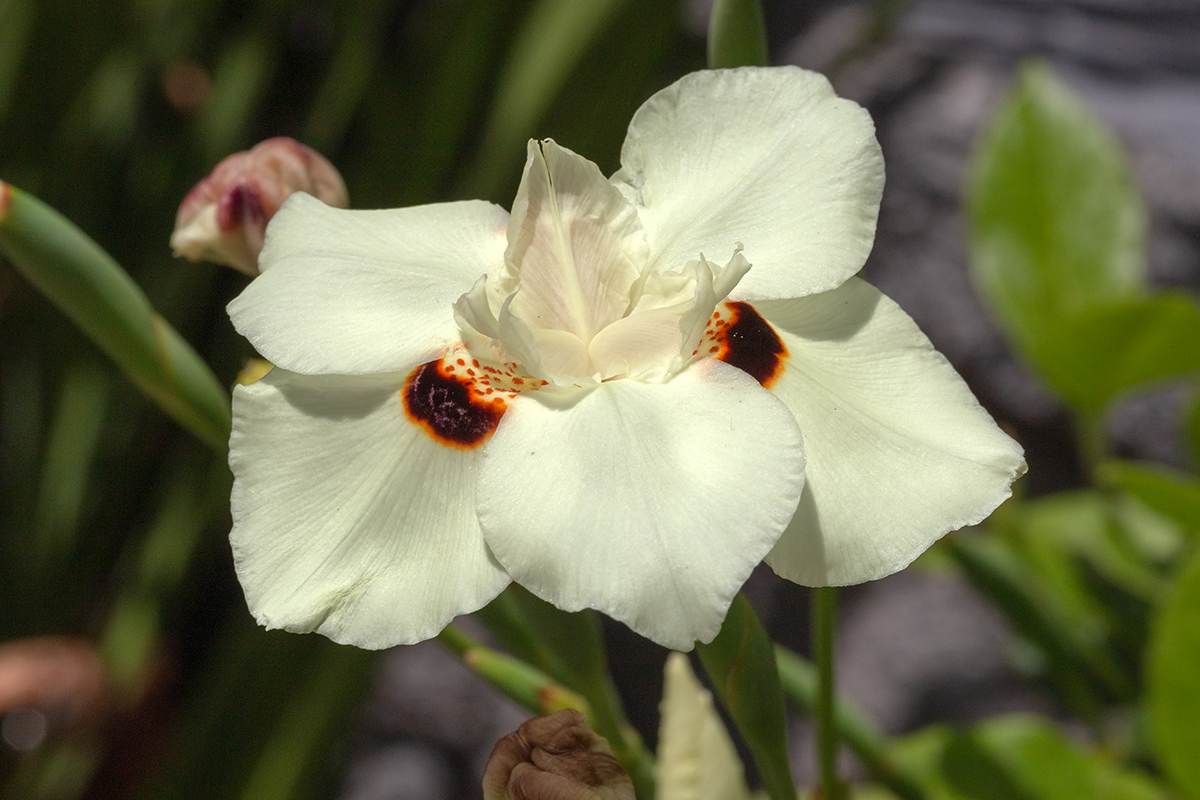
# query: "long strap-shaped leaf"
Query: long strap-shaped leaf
84,281
741,665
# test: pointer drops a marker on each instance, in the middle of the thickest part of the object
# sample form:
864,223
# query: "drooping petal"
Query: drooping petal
633,498
575,244
696,757
348,518
768,157
899,450
352,292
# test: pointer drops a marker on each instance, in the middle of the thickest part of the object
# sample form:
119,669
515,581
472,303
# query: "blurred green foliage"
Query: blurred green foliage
114,520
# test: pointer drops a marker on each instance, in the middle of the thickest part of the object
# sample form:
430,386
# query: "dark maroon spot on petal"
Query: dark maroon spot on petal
445,406
752,345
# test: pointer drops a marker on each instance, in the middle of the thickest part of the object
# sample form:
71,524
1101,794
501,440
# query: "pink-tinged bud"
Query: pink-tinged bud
555,758
224,217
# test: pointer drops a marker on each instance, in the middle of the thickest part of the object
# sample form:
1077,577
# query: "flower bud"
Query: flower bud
224,217
555,758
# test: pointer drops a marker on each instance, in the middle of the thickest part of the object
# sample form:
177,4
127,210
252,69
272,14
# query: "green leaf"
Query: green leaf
89,287
1079,660
741,666
1172,686
737,36
1057,226
1016,757
553,38
1033,759
1124,343
1171,493
1191,432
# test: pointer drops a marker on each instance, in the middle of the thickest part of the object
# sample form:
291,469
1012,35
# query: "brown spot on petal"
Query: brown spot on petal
449,408
752,345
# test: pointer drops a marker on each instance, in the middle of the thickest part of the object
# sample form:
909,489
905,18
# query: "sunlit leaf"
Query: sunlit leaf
1057,226
1124,343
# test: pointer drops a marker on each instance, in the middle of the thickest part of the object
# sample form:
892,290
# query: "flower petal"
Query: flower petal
696,757
348,519
768,157
351,292
575,244
649,502
899,450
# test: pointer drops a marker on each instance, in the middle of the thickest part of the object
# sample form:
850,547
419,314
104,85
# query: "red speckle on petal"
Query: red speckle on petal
752,345
447,408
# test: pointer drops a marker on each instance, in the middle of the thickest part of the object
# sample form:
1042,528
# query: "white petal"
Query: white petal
696,757
768,157
899,450
643,345
649,502
575,244
352,292
348,519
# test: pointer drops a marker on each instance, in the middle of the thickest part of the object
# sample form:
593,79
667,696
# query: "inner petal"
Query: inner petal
575,245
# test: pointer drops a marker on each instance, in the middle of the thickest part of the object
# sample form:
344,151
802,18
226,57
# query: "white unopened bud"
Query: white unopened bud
224,217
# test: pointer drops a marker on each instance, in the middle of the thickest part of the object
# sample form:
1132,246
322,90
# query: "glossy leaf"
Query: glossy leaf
1173,691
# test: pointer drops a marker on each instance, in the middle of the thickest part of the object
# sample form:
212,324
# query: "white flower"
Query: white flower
599,397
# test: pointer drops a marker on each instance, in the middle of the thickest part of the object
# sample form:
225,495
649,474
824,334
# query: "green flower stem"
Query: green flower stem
507,621
528,687
800,684
87,285
569,647
824,615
